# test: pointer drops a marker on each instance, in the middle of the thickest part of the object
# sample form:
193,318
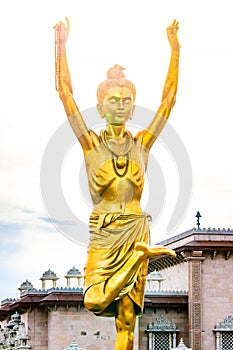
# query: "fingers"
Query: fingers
67,23
175,24
60,24
173,28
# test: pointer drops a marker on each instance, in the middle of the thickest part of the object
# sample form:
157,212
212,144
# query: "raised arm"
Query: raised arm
169,91
64,86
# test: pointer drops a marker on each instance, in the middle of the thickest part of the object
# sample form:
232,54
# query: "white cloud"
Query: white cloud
30,247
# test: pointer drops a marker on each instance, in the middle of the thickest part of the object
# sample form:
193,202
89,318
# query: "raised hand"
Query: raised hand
172,35
62,31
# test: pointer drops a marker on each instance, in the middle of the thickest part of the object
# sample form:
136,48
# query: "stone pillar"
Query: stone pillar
217,341
174,340
150,334
195,299
79,281
54,283
68,282
43,284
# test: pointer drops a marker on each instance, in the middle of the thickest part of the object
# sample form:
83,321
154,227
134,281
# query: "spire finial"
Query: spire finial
198,216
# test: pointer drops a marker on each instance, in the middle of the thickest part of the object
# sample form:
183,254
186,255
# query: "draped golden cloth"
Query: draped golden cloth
112,240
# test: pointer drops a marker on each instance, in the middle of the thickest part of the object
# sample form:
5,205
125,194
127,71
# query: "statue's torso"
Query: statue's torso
116,183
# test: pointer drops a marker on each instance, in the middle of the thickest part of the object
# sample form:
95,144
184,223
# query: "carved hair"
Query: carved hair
115,77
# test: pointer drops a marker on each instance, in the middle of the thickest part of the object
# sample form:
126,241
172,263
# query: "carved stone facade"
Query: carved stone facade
54,317
203,266
208,257
162,334
14,336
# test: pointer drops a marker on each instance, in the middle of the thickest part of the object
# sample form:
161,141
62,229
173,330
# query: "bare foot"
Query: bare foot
152,252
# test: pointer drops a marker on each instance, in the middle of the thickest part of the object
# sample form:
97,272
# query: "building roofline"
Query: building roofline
51,290
206,240
167,299
194,230
172,293
59,297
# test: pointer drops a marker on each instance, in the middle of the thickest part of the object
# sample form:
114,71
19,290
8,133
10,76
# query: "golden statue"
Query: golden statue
118,254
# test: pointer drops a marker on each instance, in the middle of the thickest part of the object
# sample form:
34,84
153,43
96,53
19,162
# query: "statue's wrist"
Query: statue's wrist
62,47
62,42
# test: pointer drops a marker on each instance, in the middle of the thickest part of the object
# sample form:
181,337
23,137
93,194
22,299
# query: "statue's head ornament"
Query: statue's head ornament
115,77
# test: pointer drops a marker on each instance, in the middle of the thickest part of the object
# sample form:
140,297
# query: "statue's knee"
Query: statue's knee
93,303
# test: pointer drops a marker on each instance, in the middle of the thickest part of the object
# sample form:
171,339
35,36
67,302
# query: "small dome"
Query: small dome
181,346
74,346
16,318
49,275
155,276
73,273
26,286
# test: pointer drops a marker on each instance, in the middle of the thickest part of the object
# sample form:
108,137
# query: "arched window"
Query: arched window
224,334
161,334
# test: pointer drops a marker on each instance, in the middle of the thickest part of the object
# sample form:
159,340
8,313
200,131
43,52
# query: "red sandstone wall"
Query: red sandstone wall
36,327
217,294
176,278
89,331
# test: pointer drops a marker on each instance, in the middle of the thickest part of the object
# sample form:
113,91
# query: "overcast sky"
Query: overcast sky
133,34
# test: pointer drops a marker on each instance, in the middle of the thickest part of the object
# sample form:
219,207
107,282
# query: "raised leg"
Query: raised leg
152,252
98,297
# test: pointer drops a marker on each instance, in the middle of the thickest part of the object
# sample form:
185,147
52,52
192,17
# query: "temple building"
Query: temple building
188,303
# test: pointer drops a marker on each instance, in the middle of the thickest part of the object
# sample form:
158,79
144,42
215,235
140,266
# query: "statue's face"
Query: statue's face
117,106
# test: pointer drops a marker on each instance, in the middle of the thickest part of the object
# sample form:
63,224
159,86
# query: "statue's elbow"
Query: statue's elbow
64,94
61,94
169,102
173,102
